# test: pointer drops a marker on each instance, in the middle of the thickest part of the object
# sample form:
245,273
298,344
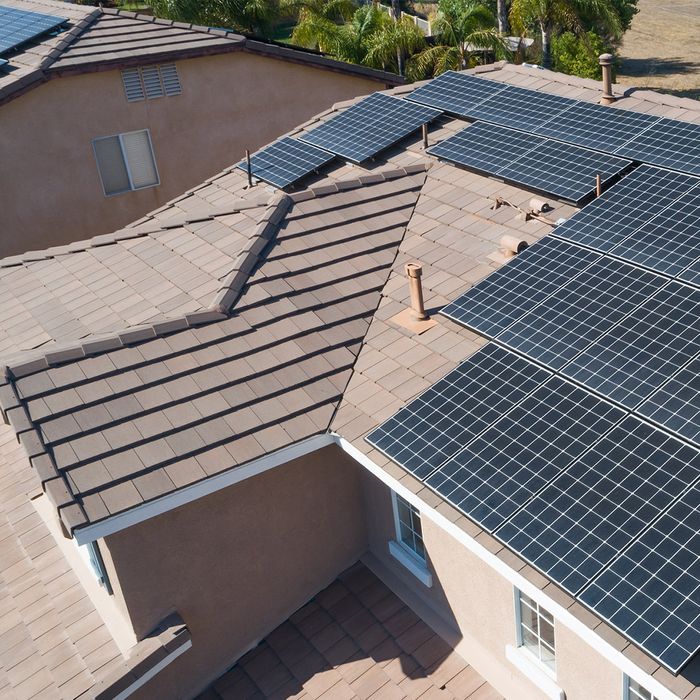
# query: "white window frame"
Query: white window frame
126,162
403,552
630,694
537,658
90,553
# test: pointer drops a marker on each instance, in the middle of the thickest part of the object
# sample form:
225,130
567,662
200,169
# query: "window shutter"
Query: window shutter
132,84
110,163
151,82
139,157
171,80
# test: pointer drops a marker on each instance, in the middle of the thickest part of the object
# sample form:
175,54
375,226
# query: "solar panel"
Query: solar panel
691,274
486,147
648,346
437,424
564,170
581,521
519,108
670,242
676,405
581,311
456,93
652,592
284,162
20,26
510,292
501,469
369,127
623,208
670,143
3,62
594,126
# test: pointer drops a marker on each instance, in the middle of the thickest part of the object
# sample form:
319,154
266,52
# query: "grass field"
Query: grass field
662,49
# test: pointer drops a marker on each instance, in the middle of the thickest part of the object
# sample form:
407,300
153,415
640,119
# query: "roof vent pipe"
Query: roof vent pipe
414,272
511,246
606,61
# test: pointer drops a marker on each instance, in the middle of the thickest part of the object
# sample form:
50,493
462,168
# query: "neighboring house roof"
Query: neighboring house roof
307,346
104,38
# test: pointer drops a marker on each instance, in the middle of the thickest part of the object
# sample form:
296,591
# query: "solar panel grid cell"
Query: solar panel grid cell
369,127
20,26
437,424
501,469
581,521
651,593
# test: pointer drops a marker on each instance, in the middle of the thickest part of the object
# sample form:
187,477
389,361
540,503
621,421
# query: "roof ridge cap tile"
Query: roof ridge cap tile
68,38
265,231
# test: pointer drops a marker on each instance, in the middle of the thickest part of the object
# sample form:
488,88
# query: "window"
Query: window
634,691
151,82
535,630
126,162
408,547
90,553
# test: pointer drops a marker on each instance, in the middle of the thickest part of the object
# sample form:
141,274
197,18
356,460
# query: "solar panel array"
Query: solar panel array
641,137
369,127
284,162
17,27
563,170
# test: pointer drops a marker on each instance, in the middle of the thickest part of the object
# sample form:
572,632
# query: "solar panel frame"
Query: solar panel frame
284,162
647,347
439,422
626,206
456,93
580,312
18,27
508,463
576,526
514,289
369,127
651,593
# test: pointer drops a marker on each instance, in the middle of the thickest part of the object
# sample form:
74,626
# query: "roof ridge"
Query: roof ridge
71,35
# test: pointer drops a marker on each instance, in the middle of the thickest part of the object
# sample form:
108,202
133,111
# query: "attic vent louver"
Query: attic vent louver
171,80
132,84
151,82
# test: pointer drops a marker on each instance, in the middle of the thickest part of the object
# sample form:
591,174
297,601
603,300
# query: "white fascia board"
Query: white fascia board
560,613
178,498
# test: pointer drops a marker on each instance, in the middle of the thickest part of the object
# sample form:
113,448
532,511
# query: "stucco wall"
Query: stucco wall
474,608
50,190
237,563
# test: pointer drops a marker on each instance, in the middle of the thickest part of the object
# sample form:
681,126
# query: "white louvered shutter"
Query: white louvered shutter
139,157
171,80
151,82
132,84
110,163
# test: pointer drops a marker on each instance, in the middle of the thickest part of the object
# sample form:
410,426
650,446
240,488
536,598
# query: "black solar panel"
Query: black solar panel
369,127
456,93
648,346
510,292
670,242
519,108
486,147
676,405
623,208
652,592
581,311
669,143
594,126
501,469
284,162
581,521
437,424
20,26
692,274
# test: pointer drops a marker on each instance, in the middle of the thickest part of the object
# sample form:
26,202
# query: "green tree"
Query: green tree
461,28
578,55
553,17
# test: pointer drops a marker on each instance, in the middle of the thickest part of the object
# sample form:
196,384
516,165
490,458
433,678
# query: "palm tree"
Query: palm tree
461,28
502,16
548,15
395,39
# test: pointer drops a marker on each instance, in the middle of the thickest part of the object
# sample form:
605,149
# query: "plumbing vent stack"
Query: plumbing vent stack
414,272
539,206
511,246
606,61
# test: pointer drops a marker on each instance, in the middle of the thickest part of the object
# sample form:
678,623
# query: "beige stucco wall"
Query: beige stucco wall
472,606
237,563
50,191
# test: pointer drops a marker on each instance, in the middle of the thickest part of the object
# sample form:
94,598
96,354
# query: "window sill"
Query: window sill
406,560
531,670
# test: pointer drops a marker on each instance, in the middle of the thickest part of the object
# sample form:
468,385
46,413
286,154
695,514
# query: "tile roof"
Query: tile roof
95,38
355,639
